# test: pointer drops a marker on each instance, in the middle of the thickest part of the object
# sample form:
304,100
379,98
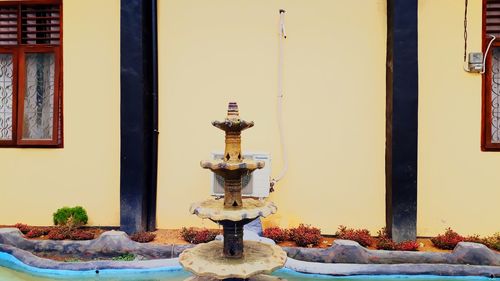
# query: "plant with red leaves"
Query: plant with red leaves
474,238
448,240
362,236
305,235
81,235
197,236
407,246
143,237
385,243
492,241
37,232
277,234
23,227
58,233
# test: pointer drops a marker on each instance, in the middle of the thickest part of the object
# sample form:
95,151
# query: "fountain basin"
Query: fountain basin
260,277
208,260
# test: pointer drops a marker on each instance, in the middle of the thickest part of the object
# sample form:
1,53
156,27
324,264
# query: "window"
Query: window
30,73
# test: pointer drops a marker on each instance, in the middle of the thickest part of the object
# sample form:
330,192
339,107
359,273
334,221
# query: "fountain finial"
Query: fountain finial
232,109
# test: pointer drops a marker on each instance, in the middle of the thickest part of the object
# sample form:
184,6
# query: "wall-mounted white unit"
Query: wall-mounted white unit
254,185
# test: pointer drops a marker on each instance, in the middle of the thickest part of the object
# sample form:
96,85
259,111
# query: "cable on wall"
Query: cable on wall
282,37
465,30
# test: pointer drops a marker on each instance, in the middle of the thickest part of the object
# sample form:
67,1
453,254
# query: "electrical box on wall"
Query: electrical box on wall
475,62
255,184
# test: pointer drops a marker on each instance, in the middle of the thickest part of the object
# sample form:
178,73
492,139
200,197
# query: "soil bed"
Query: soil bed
173,236
68,258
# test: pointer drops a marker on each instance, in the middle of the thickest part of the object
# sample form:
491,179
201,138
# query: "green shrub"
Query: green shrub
124,257
70,217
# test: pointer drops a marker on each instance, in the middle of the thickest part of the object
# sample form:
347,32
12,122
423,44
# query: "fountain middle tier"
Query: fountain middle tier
232,173
214,209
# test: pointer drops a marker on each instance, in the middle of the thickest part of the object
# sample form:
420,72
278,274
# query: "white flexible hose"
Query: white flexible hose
280,100
486,53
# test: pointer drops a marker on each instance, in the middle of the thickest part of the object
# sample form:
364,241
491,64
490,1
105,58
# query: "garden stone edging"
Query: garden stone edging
34,261
346,251
108,244
346,269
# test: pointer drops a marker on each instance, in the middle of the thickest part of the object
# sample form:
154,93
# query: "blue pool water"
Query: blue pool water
11,269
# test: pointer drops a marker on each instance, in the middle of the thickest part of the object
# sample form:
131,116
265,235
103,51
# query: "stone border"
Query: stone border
31,260
108,244
345,251
342,258
344,269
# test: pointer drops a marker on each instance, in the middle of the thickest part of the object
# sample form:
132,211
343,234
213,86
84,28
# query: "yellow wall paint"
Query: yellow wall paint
212,52
458,185
35,182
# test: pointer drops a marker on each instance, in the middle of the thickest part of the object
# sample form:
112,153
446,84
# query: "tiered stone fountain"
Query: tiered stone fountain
233,258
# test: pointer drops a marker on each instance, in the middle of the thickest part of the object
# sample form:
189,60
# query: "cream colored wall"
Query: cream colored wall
36,182
458,185
213,52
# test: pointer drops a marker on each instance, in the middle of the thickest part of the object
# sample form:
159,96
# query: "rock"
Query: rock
255,226
475,253
112,242
342,251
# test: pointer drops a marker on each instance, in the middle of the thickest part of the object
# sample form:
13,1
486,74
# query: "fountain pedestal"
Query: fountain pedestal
233,258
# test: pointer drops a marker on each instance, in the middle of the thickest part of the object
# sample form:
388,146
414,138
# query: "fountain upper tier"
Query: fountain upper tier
232,166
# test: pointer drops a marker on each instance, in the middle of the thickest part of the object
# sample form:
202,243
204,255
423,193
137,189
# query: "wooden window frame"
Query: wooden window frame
19,52
15,60
486,120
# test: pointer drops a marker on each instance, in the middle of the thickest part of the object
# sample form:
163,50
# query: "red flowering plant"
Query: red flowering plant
143,237
277,234
448,240
81,235
407,246
37,232
384,242
58,233
362,236
197,236
305,235
23,227
492,241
